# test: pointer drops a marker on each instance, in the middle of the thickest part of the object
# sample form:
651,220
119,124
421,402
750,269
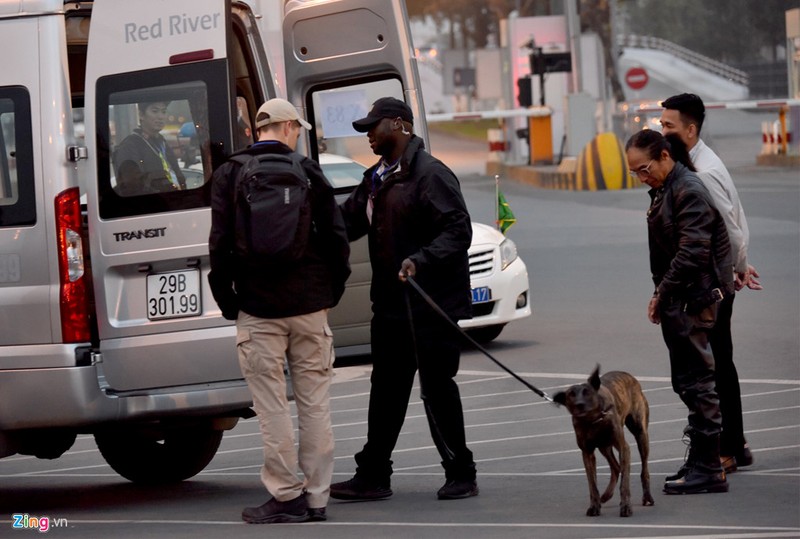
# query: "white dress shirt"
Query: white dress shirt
715,177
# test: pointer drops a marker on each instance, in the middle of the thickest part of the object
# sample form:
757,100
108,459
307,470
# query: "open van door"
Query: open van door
340,56
168,86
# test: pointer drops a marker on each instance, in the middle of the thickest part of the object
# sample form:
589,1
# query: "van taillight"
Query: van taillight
73,296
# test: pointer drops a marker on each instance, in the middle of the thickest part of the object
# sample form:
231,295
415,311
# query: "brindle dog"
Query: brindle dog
600,407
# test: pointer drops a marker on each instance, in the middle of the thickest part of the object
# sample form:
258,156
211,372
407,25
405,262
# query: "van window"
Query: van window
159,138
17,190
334,107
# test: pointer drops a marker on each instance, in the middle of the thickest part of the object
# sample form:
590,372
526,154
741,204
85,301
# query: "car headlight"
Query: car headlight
508,253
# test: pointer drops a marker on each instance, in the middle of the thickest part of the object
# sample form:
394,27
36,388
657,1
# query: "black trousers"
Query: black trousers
692,364
730,398
394,364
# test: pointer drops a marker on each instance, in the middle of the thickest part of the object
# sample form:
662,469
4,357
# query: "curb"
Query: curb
543,176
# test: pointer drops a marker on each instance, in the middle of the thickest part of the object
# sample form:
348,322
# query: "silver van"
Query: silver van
107,324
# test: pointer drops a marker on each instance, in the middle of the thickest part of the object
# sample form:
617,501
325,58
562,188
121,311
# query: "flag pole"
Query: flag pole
497,201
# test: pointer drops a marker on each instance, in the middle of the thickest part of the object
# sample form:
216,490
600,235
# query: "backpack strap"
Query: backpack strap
242,159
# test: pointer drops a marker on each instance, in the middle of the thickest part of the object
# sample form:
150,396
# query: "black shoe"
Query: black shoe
680,473
358,488
745,457
696,482
454,489
317,514
689,456
273,512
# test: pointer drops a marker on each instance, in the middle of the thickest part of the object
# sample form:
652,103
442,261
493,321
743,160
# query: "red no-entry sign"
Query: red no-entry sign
636,78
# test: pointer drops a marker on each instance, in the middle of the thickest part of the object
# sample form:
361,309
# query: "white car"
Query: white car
499,278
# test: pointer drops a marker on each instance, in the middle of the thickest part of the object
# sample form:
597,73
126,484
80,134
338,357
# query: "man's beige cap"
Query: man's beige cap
278,110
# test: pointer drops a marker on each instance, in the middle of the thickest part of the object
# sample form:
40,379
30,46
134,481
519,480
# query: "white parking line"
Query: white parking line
743,532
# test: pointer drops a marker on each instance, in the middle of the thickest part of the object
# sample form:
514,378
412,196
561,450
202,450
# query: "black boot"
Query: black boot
706,474
689,459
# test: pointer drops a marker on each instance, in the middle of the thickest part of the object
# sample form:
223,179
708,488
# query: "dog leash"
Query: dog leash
438,310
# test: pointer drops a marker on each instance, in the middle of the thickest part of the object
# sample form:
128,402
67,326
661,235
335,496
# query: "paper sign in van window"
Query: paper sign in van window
339,109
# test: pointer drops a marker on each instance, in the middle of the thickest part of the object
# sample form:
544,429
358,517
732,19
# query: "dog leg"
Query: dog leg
638,427
625,509
613,463
643,442
590,465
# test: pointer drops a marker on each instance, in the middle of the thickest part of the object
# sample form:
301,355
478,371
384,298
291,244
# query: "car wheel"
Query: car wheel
485,334
159,456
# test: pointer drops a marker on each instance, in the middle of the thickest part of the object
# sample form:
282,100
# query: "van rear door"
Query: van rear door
166,85
33,174
340,56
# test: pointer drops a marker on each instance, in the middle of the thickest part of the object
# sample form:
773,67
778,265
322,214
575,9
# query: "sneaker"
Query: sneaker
358,488
454,489
273,512
317,514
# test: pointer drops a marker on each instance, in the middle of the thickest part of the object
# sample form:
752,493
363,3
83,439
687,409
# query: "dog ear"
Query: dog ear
594,379
560,398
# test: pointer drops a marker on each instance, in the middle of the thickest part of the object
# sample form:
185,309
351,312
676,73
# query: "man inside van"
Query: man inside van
143,161
281,312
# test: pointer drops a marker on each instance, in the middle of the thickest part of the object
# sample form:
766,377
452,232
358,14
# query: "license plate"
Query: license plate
482,294
175,294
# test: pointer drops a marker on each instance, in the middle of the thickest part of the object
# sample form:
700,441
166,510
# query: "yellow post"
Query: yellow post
540,139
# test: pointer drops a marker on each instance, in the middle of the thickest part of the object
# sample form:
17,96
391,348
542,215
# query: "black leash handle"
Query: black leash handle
472,341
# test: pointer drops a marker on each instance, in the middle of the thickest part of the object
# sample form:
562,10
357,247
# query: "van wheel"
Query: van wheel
486,334
159,456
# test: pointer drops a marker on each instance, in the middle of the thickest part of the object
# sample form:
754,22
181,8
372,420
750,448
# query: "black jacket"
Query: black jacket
689,247
419,213
314,282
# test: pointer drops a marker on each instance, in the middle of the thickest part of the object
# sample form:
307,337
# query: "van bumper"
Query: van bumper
71,397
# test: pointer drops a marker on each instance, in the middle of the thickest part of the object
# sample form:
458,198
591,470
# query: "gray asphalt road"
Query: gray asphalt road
587,258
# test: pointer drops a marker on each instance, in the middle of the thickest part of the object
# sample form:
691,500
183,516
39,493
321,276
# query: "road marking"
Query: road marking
766,531
663,379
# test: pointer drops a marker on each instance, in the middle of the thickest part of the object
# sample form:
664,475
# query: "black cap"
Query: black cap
385,107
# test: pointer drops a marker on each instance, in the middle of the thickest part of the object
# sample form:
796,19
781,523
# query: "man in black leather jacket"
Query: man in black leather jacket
410,206
690,260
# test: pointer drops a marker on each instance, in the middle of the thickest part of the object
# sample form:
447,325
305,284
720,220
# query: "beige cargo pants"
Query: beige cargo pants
306,342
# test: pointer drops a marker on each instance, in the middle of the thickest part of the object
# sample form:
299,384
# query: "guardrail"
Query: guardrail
687,55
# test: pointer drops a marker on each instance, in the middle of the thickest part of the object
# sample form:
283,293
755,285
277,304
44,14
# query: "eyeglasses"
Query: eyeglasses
645,171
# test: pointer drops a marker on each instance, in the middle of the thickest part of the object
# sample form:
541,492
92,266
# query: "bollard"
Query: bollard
766,148
497,149
497,146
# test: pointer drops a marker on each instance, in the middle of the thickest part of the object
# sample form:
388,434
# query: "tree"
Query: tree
730,31
596,16
470,22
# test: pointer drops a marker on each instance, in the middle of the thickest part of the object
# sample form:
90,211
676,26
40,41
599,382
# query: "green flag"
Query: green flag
505,217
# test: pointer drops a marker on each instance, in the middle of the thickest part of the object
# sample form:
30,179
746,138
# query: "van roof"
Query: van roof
10,8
